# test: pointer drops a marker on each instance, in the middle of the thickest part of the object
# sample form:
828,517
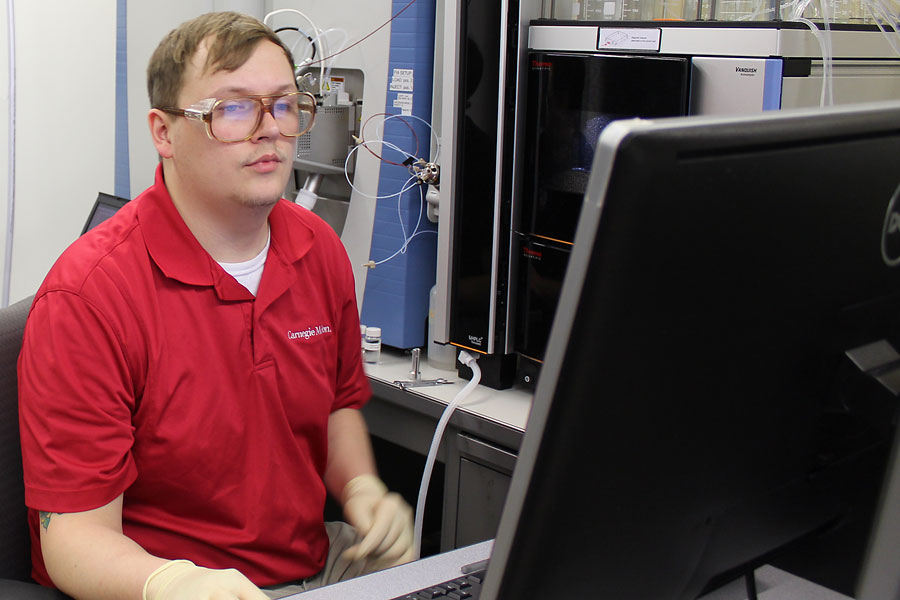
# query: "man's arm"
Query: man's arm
89,557
349,450
382,518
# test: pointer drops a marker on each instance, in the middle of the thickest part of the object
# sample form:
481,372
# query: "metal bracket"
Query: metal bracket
416,375
421,383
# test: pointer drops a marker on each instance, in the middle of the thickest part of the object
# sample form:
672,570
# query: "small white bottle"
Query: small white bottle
372,345
362,337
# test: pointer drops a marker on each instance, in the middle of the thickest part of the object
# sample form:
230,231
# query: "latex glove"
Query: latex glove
183,580
382,518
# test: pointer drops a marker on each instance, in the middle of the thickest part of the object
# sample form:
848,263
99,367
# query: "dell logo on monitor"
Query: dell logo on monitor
893,223
890,235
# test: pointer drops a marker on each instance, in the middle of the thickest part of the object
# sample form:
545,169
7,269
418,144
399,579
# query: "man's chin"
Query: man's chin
264,195
261,201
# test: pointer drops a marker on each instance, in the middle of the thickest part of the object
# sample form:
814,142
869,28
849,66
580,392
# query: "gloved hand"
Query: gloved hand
183,580
382,518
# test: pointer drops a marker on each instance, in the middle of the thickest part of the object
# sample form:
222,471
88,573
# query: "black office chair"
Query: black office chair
15,546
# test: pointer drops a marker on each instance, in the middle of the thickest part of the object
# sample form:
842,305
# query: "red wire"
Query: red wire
399,12
362,135
362,131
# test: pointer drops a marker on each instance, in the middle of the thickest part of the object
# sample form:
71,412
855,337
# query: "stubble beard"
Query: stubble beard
265,199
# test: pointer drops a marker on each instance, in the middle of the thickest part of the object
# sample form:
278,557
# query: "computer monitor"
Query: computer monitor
722,371
104,207
880,575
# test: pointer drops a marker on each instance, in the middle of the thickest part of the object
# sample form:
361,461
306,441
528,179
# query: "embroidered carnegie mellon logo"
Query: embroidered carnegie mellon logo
309,332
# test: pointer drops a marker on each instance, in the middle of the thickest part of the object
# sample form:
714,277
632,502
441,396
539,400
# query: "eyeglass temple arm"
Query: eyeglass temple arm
199,111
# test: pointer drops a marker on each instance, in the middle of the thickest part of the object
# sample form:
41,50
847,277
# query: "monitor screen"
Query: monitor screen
104,207
720,380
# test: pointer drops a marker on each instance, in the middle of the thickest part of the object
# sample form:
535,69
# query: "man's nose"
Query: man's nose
268,126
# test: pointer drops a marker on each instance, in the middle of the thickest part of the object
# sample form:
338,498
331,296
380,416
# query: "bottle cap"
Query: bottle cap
373,331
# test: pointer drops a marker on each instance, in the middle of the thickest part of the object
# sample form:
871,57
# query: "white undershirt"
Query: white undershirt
249,273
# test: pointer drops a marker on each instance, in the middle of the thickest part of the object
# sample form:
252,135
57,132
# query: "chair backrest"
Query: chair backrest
15,558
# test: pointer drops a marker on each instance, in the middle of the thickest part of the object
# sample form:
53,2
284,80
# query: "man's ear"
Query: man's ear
161,132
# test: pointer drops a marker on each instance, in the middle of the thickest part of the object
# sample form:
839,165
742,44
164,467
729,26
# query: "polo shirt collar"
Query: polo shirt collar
292,236
180,256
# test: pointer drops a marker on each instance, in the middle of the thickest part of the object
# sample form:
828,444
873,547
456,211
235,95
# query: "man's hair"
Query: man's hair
231,38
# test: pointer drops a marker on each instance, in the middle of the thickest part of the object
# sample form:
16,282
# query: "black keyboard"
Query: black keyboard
464,587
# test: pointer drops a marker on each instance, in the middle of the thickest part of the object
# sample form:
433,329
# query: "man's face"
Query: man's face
252,173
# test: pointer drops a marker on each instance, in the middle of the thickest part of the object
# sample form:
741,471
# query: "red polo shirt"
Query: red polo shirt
147,370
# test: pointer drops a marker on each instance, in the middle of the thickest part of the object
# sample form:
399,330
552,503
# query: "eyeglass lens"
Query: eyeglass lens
235,119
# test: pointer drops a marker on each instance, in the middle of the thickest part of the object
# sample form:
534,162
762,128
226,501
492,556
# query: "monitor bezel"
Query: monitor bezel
103,199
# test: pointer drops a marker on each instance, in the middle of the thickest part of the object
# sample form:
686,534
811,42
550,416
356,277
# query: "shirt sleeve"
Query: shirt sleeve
76,401
352,388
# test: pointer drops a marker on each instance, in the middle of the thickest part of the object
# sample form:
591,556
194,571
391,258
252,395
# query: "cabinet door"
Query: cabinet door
478,478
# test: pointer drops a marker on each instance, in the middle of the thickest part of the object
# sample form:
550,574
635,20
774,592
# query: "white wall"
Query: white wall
4,132
65,89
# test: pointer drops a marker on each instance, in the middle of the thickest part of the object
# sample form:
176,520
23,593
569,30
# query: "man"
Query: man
191,374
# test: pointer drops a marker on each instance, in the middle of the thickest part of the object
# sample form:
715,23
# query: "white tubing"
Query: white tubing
408,239
879,13
826,57
829,59
332,53
316,31
470,361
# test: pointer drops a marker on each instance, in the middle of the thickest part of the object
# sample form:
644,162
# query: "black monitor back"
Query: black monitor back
698,408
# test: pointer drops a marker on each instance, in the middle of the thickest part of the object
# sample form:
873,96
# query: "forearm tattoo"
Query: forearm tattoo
45,519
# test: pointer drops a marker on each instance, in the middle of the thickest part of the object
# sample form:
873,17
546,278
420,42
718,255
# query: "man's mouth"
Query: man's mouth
265,163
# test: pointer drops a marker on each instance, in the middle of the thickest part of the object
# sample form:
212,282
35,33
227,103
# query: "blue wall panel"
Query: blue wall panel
396,291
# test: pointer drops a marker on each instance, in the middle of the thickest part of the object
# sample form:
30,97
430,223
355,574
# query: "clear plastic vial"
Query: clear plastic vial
372,345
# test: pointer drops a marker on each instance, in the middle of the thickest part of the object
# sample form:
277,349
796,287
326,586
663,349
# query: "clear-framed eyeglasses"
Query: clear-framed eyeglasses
237,119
